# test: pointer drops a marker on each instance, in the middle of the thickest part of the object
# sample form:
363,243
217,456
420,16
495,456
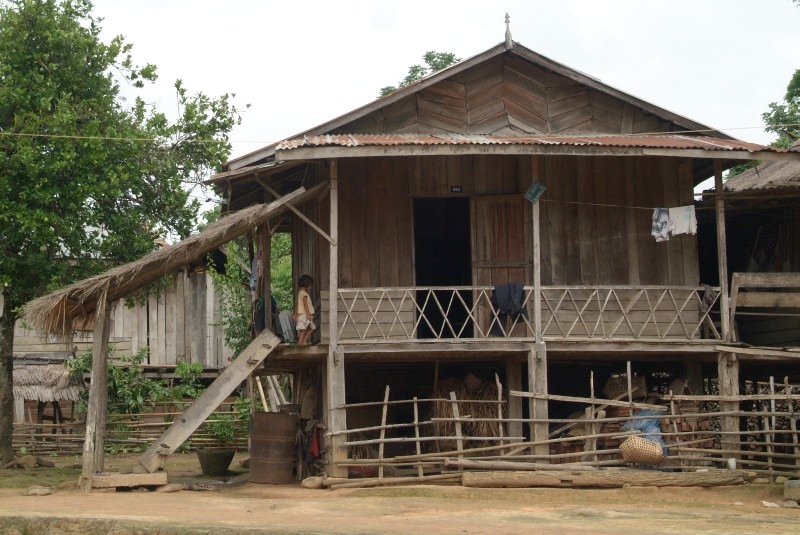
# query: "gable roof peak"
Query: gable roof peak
509,42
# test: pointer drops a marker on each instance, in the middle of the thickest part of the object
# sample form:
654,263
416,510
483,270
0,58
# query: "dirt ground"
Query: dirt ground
243,507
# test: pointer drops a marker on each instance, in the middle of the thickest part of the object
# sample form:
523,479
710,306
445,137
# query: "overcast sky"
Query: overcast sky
299,64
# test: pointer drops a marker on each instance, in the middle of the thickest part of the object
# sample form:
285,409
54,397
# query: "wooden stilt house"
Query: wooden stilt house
507,176
480,238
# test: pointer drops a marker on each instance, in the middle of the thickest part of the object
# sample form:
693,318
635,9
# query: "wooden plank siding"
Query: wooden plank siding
507,94
180,323
595,218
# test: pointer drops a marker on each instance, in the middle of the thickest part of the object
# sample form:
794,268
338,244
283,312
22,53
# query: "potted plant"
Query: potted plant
215,459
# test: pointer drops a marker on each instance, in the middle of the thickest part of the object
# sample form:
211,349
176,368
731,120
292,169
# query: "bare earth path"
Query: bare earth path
254,508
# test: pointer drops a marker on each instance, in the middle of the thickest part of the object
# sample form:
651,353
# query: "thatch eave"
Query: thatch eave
60,312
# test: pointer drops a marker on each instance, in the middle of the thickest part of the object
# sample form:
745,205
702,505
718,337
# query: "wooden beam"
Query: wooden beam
721,155
335,365
184,425
768,280
605,478
728,381
374,151
514,382
94,443
756,352
297,212
537,384
722,256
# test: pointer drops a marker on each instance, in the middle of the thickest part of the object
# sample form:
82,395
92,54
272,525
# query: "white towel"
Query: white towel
683,220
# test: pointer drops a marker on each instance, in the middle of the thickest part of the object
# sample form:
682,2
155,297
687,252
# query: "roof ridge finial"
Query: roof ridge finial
509,42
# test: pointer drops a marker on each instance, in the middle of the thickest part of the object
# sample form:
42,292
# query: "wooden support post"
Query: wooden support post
337,416
514,382
722,254
420,470
537,275
537,384
728,378
693,371
457,419
94,443
385,409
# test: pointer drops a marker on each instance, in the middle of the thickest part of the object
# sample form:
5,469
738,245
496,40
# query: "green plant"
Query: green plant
234,304
188,385
225,427
129,391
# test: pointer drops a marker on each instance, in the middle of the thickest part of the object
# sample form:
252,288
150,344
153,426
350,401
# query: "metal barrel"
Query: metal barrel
272,447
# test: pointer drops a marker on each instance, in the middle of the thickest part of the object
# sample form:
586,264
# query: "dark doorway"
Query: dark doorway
443,258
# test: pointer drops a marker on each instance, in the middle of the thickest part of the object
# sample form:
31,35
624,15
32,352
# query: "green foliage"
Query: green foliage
434,61
738,169
188,385
281,270
129,391
784,118
235,306
87,179
226,426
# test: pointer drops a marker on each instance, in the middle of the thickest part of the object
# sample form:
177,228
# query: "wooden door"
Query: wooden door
501,245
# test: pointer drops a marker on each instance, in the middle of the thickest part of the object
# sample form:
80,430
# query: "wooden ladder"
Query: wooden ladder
194,415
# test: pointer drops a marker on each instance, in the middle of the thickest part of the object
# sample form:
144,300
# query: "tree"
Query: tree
87,180
435,61
784,118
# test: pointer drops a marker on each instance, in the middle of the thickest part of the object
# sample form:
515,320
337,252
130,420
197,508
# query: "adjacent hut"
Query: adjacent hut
763,240
44,390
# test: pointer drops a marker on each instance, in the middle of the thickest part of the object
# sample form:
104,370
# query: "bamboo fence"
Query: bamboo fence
125,433
689,426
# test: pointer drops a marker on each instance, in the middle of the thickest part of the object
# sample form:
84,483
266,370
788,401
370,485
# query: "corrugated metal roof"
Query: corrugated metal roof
768,176
652,141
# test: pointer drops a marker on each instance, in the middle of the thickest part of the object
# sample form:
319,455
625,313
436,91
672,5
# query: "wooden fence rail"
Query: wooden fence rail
688,425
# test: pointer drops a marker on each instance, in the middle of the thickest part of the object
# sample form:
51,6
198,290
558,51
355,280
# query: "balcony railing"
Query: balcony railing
468,313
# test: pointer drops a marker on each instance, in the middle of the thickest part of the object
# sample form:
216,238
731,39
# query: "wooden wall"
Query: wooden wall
595,217
507,95
181,323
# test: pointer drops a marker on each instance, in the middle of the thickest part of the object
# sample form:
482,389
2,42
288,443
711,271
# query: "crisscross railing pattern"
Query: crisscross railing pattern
626,312
568,313
431,313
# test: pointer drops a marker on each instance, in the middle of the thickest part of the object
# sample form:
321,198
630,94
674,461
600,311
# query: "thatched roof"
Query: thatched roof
46,382
59,312
770,175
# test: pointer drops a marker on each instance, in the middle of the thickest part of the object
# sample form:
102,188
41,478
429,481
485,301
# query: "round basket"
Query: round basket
638,450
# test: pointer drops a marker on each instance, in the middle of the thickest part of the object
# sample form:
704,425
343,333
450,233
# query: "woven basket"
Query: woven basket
618,385
638,450
680,387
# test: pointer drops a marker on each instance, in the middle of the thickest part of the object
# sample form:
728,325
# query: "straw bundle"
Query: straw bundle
482,428
468,395
440,408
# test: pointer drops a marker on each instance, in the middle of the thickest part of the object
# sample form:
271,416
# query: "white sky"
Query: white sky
299,64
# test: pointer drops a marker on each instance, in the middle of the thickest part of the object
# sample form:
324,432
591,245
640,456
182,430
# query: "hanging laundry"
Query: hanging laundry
661,224
683,220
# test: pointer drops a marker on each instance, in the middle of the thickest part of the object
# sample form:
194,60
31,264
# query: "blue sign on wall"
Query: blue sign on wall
535,191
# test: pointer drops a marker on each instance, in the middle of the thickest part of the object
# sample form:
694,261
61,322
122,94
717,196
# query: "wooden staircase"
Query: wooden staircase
222,387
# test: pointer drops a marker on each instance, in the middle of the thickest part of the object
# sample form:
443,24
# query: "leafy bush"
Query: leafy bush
129,391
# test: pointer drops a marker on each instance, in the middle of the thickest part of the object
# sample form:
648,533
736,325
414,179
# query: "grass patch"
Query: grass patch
67,470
